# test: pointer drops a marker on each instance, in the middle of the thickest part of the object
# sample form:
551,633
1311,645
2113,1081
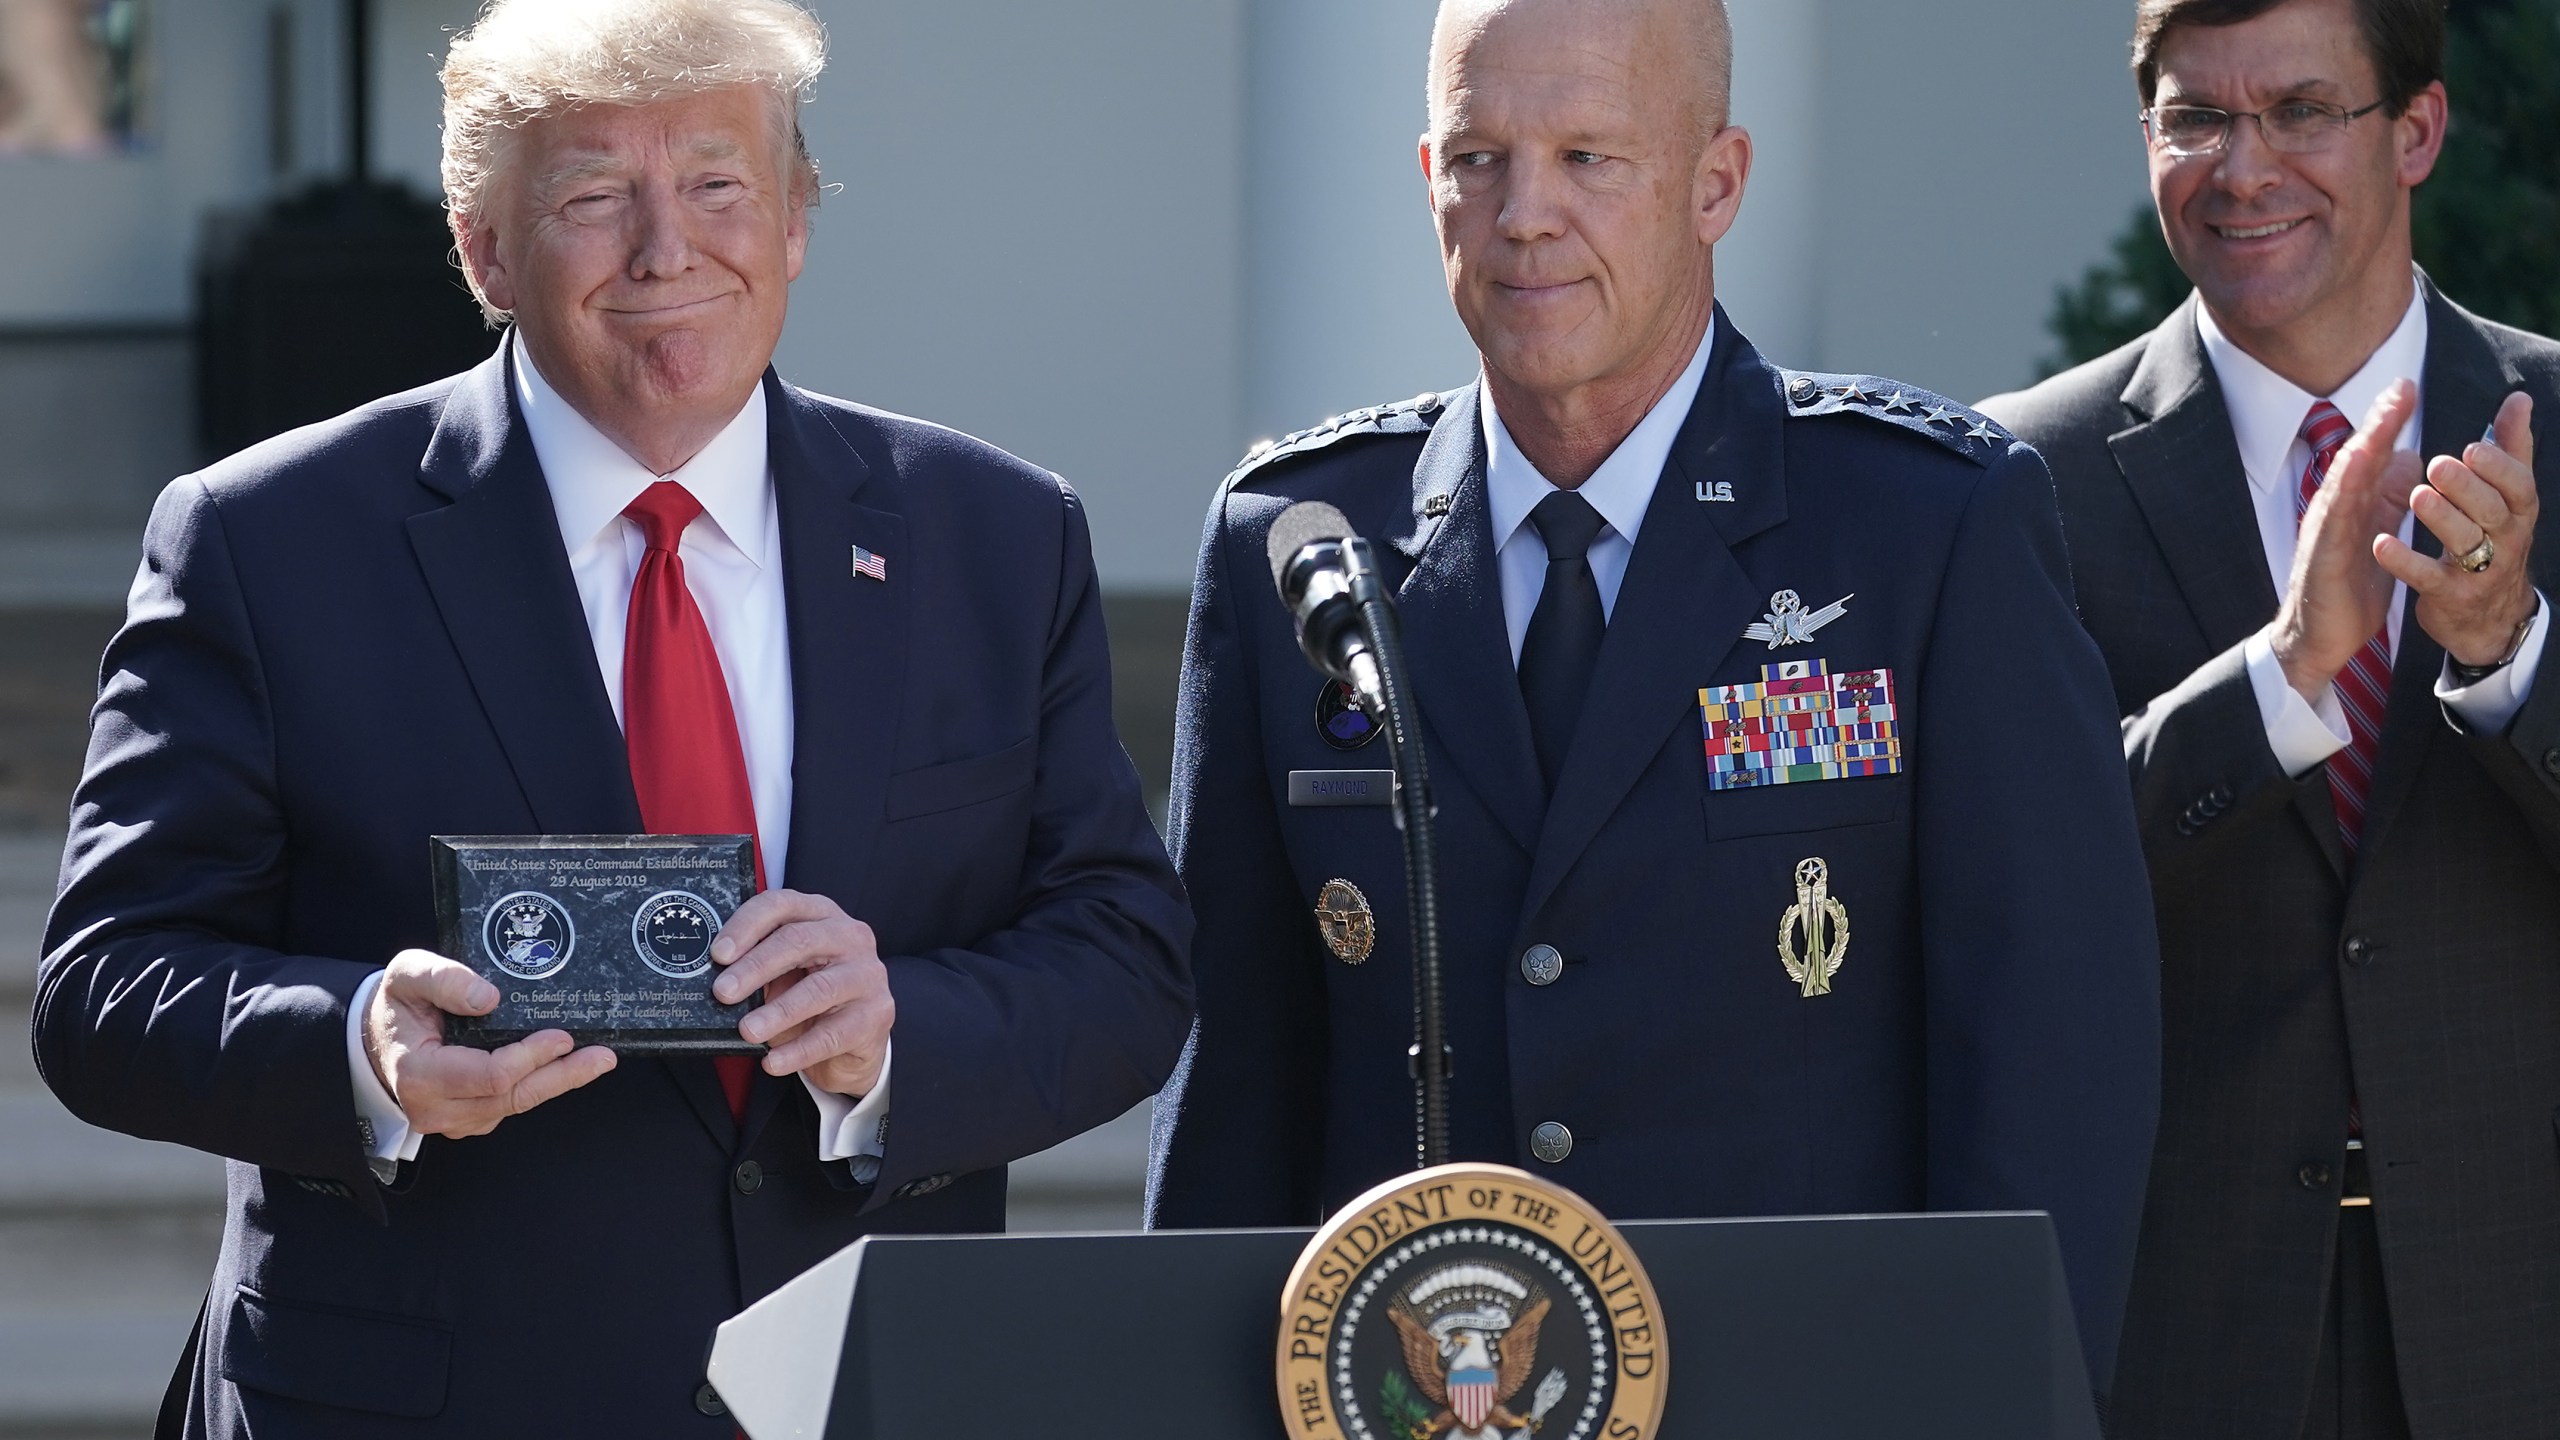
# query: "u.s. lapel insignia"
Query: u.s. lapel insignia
1343,914
1789,623
1822,922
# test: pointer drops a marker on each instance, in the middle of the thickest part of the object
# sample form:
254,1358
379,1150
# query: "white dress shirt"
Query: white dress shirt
2267,412
1620,490
732,557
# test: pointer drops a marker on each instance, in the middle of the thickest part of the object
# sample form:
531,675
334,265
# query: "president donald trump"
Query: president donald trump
617,579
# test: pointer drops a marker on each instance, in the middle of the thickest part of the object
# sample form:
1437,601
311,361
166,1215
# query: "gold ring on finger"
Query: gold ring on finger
2479,557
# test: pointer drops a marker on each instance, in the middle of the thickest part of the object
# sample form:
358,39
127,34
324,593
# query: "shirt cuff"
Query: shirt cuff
380,1125
850,1129
2489,707
2303,735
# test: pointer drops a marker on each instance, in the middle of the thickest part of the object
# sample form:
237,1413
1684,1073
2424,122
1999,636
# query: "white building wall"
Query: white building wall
1345,305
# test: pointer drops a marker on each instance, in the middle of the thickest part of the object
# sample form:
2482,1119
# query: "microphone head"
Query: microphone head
1309,522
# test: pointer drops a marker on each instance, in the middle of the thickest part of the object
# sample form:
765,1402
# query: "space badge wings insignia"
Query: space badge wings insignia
1789,623
1800,723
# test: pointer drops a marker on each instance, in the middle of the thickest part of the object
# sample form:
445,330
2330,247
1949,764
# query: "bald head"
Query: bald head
1694,37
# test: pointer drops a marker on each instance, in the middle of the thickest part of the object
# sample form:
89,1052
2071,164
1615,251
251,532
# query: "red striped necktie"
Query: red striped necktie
687,766
2364,687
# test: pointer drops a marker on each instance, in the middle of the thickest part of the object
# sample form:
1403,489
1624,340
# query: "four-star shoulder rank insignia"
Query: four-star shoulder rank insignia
1966,432
1789,623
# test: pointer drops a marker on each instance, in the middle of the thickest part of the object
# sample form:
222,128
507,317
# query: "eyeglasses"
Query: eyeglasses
2296,127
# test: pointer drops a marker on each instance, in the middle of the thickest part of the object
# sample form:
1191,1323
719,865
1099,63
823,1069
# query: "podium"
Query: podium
1838,1328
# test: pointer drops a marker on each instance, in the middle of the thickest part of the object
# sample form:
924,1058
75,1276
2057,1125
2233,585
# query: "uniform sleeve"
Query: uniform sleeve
2043,991
1238,1133
163,1007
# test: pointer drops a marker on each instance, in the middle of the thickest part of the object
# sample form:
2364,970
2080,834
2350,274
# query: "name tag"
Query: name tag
1342,787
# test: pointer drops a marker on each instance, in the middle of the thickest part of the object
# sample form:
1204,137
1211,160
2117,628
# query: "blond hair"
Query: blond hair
526,59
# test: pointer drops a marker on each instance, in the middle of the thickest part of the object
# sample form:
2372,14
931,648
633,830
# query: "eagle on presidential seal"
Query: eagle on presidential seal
1470,1334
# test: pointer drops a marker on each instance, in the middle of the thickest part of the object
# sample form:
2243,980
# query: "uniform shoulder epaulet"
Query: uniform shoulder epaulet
1405,417
1967,432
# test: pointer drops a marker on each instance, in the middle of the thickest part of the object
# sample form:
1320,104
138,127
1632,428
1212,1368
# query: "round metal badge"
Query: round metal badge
528,935
1343,917
1475,1302
673,933
1341,720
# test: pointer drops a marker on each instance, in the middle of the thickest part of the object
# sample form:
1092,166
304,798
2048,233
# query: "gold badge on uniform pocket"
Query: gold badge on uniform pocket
1343,914
1822,922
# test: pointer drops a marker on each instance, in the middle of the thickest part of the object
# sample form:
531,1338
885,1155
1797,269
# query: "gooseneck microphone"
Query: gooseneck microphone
1313,553
1346,623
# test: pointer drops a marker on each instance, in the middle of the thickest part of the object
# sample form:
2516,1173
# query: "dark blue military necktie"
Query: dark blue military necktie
1563,644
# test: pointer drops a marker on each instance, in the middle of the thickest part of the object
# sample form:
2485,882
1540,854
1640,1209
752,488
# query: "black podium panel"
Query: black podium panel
1930,1327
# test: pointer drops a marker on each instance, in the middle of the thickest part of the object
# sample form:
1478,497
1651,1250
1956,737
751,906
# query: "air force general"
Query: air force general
1786,855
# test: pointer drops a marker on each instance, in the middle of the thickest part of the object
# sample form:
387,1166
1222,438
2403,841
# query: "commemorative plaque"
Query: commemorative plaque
605,936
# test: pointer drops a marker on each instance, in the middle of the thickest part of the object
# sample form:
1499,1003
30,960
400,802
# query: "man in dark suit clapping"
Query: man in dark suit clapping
619,578
2303,525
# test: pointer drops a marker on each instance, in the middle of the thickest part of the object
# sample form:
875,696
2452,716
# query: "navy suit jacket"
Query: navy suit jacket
1992,1040
362,634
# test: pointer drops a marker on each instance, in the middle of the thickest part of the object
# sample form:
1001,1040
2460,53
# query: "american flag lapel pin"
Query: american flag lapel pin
870,565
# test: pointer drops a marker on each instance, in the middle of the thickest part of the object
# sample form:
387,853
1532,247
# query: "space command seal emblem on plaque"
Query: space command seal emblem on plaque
528,935
1471,1302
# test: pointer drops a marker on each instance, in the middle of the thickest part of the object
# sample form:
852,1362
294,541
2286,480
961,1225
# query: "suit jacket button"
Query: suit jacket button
2221,797
1551,1142
1542,965
749,1178
926,1186
2361,950
2313,1177
2551,761
708,1401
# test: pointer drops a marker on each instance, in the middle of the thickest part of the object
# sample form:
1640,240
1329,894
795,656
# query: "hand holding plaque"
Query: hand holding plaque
459,1090
828,1009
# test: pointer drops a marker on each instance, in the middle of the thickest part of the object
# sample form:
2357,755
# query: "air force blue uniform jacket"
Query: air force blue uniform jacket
1991,1039
365,633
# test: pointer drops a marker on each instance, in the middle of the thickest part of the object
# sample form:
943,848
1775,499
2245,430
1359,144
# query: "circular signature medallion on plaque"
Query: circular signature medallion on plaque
528,935
673,933
1470,1302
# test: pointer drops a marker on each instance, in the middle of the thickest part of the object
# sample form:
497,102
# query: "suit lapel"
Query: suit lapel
2183,467
1683,603
500,579
848,642
2464,385
1455,642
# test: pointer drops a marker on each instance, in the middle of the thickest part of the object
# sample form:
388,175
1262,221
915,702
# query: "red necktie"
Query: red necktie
686,763
2364,687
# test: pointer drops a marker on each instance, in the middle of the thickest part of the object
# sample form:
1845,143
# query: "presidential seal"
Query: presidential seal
528,935
1470,1302
673,933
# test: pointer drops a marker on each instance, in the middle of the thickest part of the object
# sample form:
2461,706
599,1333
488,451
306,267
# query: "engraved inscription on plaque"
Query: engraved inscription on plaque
605,936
